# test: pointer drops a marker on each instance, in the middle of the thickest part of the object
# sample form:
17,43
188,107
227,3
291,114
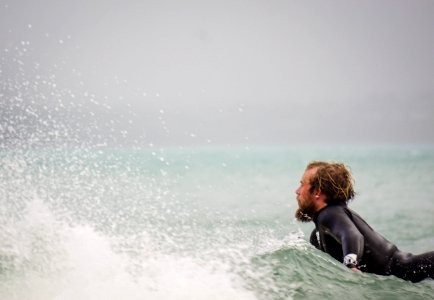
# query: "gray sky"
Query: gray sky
228,72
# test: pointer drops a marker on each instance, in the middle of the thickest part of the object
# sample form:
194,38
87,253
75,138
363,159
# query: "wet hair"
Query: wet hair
332,179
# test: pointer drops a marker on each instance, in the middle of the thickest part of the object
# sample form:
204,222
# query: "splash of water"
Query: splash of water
42,258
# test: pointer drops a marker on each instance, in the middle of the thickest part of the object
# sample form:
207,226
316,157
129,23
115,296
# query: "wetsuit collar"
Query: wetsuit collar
315,216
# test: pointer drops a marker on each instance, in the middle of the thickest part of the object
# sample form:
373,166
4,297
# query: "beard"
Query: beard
305,212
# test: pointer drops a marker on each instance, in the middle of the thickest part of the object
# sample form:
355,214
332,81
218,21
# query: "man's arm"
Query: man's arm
342,228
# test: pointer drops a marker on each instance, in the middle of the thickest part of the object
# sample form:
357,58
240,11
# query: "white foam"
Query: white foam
80,263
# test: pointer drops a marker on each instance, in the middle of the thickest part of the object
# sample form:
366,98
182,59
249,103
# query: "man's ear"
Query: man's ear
317,193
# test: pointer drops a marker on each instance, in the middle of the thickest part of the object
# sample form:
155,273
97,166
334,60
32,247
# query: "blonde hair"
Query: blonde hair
333,179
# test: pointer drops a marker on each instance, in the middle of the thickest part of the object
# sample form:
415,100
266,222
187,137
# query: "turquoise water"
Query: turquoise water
198,223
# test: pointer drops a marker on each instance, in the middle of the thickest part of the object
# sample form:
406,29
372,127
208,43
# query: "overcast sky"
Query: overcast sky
231,72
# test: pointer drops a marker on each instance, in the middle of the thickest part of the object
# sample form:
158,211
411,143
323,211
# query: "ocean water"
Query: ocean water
198,222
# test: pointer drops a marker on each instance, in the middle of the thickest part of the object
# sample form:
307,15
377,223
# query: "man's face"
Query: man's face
306,203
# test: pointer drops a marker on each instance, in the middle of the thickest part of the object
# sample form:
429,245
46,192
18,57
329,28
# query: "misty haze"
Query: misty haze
219,72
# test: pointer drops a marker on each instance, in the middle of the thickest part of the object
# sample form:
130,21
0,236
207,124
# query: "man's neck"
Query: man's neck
320,202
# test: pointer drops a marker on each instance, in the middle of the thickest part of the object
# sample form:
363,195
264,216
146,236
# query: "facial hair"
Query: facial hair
306,211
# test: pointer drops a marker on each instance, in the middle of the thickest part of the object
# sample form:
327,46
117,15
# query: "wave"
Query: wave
93,229
41,258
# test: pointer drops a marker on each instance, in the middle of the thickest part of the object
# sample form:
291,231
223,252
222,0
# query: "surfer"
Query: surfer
323,195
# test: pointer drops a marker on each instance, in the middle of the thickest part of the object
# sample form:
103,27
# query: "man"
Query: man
324,192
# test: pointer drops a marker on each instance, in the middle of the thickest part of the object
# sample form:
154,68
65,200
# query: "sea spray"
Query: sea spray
52,260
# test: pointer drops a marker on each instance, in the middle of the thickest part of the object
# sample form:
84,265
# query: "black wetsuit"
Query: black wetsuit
341,232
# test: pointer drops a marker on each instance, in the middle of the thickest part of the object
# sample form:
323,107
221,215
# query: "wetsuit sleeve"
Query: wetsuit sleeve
337,223
314,239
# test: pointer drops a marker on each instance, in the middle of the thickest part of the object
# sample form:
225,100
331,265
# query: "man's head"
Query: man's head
322,184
